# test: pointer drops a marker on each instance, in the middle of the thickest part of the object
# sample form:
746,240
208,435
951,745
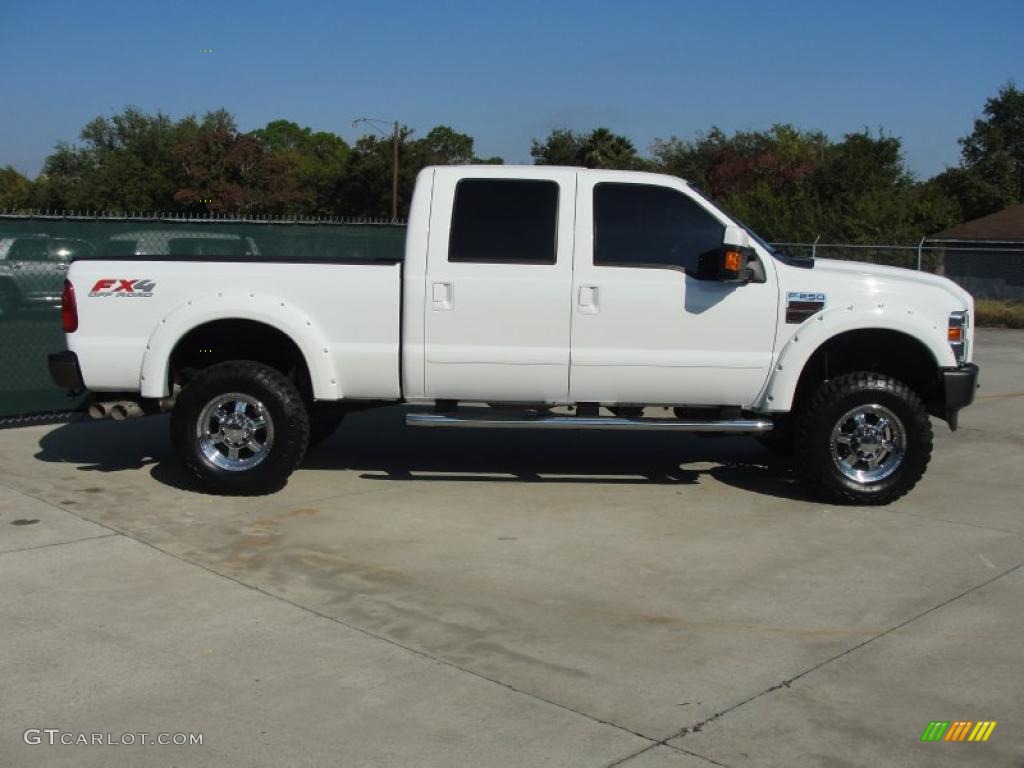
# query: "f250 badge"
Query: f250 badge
801,305
137,288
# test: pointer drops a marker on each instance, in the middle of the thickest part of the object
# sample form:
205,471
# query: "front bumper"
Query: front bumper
65,372
958,388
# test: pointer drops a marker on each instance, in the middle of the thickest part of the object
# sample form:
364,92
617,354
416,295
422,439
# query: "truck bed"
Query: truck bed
133,311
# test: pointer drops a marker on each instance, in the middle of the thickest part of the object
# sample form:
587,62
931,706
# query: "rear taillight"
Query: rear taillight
69,308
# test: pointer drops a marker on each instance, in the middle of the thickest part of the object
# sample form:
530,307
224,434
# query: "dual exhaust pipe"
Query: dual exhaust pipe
118,410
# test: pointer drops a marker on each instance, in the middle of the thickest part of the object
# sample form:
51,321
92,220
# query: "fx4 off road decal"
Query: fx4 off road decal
137,288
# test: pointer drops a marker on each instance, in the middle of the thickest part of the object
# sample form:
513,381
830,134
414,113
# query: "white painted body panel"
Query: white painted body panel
344,319
510,332
497,332
656,335
860,296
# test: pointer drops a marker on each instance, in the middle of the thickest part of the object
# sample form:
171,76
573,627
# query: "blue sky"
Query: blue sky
506,72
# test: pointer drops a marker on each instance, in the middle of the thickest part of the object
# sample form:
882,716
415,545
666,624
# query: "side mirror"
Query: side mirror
727,264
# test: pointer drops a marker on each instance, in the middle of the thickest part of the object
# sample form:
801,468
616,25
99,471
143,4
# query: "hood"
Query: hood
876,280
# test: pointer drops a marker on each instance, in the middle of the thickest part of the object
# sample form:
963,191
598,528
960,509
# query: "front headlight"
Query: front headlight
957,334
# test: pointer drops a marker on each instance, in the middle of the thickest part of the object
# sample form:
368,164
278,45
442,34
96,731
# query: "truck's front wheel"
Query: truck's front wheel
863,438
240,428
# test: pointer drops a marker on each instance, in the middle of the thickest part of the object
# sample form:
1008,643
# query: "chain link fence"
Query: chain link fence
35,251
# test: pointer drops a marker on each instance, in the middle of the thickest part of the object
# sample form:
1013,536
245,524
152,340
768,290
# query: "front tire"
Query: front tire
863,438
240,428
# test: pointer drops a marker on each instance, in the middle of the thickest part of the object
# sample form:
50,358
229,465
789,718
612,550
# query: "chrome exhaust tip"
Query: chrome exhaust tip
125,410
99,410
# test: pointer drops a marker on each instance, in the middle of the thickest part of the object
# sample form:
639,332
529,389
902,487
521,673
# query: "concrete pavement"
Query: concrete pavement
492,598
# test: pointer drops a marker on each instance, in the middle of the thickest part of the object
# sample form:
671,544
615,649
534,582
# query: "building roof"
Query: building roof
1007,224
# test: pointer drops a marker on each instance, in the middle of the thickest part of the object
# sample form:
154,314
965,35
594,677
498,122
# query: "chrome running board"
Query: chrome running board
728,426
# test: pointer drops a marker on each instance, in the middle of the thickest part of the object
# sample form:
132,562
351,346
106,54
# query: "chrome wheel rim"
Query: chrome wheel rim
868,443
235,432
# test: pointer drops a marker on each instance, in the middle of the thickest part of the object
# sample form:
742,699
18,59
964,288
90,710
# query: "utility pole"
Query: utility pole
394,180
396,139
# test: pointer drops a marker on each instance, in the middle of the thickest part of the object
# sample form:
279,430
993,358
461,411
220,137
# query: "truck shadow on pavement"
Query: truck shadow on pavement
378,446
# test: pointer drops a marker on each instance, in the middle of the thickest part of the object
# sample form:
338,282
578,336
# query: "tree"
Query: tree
599,149
316,161
991,172
127,162
366,185
561,147
443,146
790,184
15,190
231,172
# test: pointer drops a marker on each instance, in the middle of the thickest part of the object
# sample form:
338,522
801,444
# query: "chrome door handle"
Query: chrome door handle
442,297
589,299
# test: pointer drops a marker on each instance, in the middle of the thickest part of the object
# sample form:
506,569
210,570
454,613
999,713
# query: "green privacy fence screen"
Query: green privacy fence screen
35,251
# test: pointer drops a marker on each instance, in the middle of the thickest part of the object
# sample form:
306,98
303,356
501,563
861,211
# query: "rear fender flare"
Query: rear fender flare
267,309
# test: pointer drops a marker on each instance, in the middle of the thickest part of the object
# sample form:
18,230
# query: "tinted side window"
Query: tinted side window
66,250
29,249
504,220
639,225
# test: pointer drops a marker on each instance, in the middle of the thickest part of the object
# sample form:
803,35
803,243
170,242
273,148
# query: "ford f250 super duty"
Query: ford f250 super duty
522,289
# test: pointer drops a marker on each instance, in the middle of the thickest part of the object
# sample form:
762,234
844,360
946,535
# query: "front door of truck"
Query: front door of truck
499,271
645,329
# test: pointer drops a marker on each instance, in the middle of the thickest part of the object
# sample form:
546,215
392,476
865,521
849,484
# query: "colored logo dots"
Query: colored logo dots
942,730
206,50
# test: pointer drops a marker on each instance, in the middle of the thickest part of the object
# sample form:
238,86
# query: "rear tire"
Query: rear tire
240,428
863,438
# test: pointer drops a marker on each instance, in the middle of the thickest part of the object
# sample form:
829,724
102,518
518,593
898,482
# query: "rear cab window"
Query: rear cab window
504,221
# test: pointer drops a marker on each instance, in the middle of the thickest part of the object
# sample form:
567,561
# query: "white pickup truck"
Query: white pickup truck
523,289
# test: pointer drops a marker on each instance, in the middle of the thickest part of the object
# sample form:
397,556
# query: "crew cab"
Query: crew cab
523,289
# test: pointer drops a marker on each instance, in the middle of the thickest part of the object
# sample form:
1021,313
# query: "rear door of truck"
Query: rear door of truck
499,275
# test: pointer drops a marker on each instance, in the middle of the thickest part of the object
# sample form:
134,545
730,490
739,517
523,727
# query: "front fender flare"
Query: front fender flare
815,331
262,308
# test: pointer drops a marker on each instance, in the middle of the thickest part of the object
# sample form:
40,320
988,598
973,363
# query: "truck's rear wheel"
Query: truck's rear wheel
240,428
863,438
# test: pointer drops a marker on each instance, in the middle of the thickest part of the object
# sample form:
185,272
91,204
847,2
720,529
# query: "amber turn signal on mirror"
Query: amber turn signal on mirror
731,261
